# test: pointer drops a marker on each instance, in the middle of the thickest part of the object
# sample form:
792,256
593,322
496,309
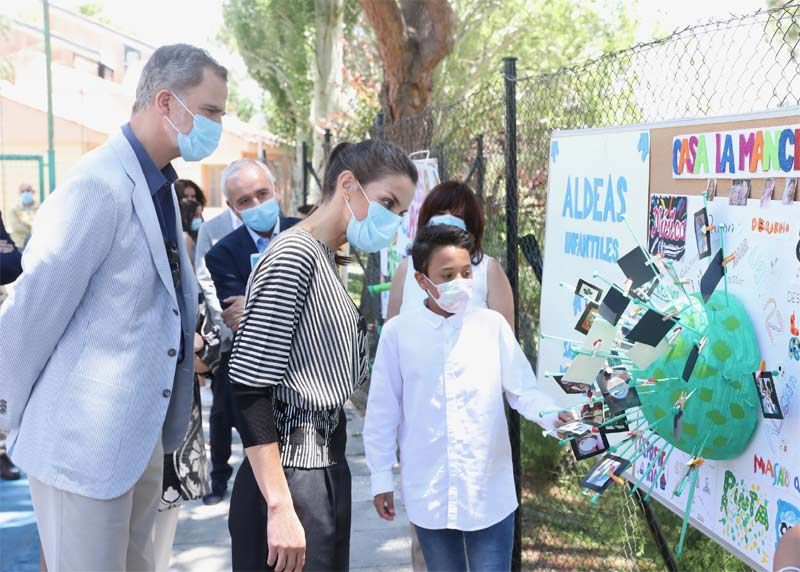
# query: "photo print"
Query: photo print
651,328
768,395
712,276
575,428
740,192
769,190
588,291
593,413
587,318
613,306
598,478
667,226
711,189
618,394
703,238
572,386
789,190
590,445
635,267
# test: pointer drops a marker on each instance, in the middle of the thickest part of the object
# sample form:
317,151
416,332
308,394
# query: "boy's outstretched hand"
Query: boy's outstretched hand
384,505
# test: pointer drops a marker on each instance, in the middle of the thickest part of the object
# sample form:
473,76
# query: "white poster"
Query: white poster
597,181
747,503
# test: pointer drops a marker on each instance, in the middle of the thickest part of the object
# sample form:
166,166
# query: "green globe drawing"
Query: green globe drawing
722,411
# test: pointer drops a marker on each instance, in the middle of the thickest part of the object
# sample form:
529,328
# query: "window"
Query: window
105,72
132,55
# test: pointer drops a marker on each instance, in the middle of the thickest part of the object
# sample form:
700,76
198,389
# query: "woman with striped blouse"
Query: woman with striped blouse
299,353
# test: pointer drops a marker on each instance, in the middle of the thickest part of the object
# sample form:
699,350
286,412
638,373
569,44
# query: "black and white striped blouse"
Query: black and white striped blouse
302,344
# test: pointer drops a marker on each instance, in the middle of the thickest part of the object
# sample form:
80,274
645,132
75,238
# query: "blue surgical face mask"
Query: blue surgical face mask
452,220
202,140
376,231
27,198
263,217
196,224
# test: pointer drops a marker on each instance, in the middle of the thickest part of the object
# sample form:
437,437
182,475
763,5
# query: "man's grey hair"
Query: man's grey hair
232,171
177,68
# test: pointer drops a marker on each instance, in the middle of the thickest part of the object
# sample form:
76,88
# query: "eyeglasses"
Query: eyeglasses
174,262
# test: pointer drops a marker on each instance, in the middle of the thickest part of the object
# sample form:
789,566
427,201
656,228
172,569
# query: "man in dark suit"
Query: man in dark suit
10,257
250,191
10,269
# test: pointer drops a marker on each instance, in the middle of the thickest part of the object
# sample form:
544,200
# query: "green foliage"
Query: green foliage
543,34
276,40
244,108
539,454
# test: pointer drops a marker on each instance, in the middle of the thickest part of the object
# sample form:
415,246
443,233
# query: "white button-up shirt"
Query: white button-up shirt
437,389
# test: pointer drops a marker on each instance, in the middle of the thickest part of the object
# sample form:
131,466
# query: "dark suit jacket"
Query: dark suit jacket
228,261
10,262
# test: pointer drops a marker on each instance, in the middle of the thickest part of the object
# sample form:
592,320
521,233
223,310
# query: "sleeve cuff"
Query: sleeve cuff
382,482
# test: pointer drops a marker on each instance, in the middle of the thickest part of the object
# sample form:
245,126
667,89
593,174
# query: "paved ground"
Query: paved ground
202,542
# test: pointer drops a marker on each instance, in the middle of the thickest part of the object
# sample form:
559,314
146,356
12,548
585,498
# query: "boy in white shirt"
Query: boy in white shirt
437,389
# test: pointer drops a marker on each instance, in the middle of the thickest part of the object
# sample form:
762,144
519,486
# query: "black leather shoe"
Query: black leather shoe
8,470
216,496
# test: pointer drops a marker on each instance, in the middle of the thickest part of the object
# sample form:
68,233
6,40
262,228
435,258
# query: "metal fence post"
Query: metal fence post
655,531
51,153
512,270
480,172
305,172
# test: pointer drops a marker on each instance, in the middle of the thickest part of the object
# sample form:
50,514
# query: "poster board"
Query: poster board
391,257
746,503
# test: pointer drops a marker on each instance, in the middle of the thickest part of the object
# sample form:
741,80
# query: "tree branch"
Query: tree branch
387,23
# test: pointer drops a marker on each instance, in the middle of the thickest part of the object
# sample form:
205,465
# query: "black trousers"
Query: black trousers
221,423
322,501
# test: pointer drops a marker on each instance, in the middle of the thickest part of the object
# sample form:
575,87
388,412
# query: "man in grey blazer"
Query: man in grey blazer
96,364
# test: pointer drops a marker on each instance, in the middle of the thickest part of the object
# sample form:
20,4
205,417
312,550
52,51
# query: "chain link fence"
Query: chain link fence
497,139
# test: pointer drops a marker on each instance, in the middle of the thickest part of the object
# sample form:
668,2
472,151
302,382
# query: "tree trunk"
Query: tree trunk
412,39
296,200
328,78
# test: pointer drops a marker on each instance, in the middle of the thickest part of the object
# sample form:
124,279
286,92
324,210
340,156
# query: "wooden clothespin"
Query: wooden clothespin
673,335
709,228
627,289
728,259
596,346
614,477
695,463
670,315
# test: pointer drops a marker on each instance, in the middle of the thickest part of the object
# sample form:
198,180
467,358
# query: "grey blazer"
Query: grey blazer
89,372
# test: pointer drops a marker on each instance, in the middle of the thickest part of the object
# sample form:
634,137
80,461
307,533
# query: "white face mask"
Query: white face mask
454,295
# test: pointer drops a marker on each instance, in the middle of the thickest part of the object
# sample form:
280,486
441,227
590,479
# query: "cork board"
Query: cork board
661,181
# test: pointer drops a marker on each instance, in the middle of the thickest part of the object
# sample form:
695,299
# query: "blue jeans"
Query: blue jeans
487,550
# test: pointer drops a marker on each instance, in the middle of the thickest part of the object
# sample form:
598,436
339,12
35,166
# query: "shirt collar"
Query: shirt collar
256,237
156,179
436,321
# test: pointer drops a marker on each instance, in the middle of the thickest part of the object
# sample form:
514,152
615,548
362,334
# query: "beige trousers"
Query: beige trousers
84,534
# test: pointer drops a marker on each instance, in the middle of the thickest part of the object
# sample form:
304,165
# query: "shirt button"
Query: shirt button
166,393
172,353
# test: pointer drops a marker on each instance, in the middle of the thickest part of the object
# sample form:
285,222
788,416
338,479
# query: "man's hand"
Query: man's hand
232,315
6,247
384,505
286,540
